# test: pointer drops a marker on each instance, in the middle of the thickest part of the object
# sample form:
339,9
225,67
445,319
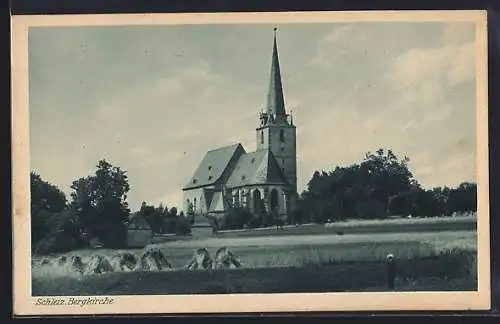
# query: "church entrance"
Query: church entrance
257,202
274,200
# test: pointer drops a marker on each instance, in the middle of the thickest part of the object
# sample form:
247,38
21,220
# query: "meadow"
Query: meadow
427,224
442,259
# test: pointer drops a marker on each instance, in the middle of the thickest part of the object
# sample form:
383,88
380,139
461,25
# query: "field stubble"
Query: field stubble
445,260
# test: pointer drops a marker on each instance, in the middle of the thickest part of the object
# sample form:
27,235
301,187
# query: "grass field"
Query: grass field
395,225
428,260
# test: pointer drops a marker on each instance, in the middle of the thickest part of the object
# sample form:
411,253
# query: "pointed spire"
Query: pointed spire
275,101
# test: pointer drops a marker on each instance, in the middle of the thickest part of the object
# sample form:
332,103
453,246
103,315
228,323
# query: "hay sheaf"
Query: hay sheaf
225,259
153,260
128,262
98,264
45,261
77,264
124,262
200,260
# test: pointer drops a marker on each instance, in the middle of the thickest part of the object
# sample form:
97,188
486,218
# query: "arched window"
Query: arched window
257,202
261,137
282,135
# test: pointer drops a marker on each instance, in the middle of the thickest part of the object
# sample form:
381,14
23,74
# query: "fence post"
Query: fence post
391,271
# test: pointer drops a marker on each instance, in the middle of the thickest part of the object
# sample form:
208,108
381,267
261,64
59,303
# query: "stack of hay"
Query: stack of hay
153,259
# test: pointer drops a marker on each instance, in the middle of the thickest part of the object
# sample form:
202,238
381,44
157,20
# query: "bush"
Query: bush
237,218
182,226
295,216
56,243
64,235
116,238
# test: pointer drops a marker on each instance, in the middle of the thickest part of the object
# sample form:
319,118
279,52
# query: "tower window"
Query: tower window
194,180
209,177
209,167
282,135
261,137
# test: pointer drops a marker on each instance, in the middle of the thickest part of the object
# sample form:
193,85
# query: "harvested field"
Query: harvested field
430,261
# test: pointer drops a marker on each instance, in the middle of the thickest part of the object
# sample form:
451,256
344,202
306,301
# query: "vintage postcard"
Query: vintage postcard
264,162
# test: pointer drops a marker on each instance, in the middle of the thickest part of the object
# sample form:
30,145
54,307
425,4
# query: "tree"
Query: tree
441,195
155,217
100,201
46,200
463,198
190,213
64,234
385,175
369,189
173,212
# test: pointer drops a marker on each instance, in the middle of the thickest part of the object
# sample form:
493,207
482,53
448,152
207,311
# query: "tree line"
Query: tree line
97,209
163,220
381,185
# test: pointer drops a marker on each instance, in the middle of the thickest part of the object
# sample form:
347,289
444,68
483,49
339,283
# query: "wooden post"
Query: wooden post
391,271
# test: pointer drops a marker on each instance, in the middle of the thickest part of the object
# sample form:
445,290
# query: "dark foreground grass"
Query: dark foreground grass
446,272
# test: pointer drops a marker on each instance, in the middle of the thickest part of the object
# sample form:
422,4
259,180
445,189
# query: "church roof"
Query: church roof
275,100
213,165
217,203
259,167
209,193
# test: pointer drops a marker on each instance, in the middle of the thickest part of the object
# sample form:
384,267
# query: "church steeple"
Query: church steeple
276,131
275,101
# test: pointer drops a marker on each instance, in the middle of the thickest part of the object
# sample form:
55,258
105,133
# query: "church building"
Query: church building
265,179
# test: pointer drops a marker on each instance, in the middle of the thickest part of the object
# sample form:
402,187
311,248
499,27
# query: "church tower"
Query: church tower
276,131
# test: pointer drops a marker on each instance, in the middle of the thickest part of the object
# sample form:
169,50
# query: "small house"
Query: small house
139,233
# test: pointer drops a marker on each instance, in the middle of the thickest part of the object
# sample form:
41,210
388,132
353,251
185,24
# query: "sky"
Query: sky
153,99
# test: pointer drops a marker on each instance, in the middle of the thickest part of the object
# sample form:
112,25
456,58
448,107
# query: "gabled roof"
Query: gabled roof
138,222
209,194
259,167
213,165
217,204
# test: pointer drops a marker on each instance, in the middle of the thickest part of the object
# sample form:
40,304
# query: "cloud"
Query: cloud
424,93
154,100
180,117
420,66
337,43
